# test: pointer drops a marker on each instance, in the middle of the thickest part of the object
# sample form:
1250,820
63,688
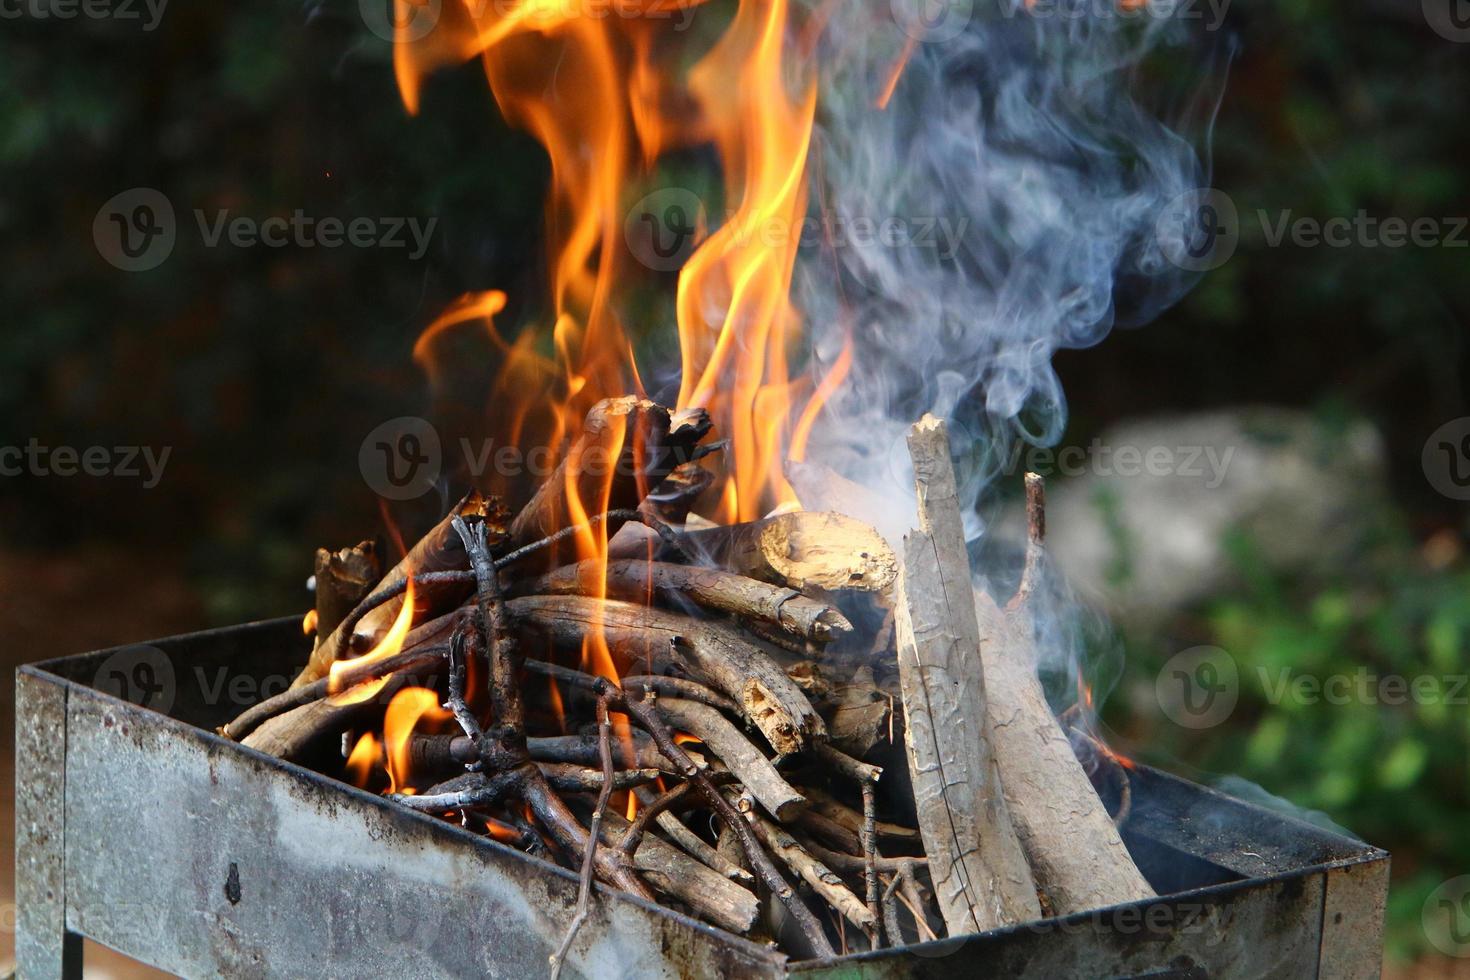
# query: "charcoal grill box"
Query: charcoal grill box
143,830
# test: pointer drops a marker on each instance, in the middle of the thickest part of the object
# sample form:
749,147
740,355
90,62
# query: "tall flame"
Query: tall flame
596,88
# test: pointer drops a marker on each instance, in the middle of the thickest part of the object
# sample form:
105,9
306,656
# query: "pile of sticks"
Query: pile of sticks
767,672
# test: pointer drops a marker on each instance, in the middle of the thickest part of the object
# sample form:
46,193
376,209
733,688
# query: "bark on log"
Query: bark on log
767,697
820,878
981,878
711,895
739,755
1077,857
709,588
803,550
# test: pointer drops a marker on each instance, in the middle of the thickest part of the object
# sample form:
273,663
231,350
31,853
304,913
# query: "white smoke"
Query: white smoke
1026,168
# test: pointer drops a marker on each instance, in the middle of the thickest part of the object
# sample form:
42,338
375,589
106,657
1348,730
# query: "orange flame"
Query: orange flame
601,89
1085,701
408,708
390,645
366,755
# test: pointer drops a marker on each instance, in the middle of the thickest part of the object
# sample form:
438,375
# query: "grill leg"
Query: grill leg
43,948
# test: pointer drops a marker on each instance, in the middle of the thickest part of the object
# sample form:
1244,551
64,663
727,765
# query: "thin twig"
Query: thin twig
584,894
633,836
490,791
643,709
566,532
252,718
504,745
870,859
457,669
680,687
908,893
1035,540
890,913
854,863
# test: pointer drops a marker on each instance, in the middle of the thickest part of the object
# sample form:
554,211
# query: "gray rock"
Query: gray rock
1141,523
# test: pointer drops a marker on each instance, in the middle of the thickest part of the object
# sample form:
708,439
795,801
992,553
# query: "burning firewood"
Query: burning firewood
766,695
437,551
722,755
625,449
710,588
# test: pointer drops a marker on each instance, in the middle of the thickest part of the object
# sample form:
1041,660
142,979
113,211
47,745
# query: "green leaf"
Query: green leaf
1403,765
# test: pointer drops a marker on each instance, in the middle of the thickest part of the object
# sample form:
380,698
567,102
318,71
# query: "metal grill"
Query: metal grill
143,830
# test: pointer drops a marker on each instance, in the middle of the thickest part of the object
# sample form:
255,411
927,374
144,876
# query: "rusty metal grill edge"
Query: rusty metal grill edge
148,833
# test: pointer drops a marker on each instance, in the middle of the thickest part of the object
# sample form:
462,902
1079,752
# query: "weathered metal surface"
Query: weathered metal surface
1262,930
204,858
216,860
1352,920
42,947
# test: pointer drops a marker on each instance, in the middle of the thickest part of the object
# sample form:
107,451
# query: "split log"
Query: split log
981,878
767,697
710,588
742,758
803,550
711,895
439,550
1078,859
626,448
343,579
